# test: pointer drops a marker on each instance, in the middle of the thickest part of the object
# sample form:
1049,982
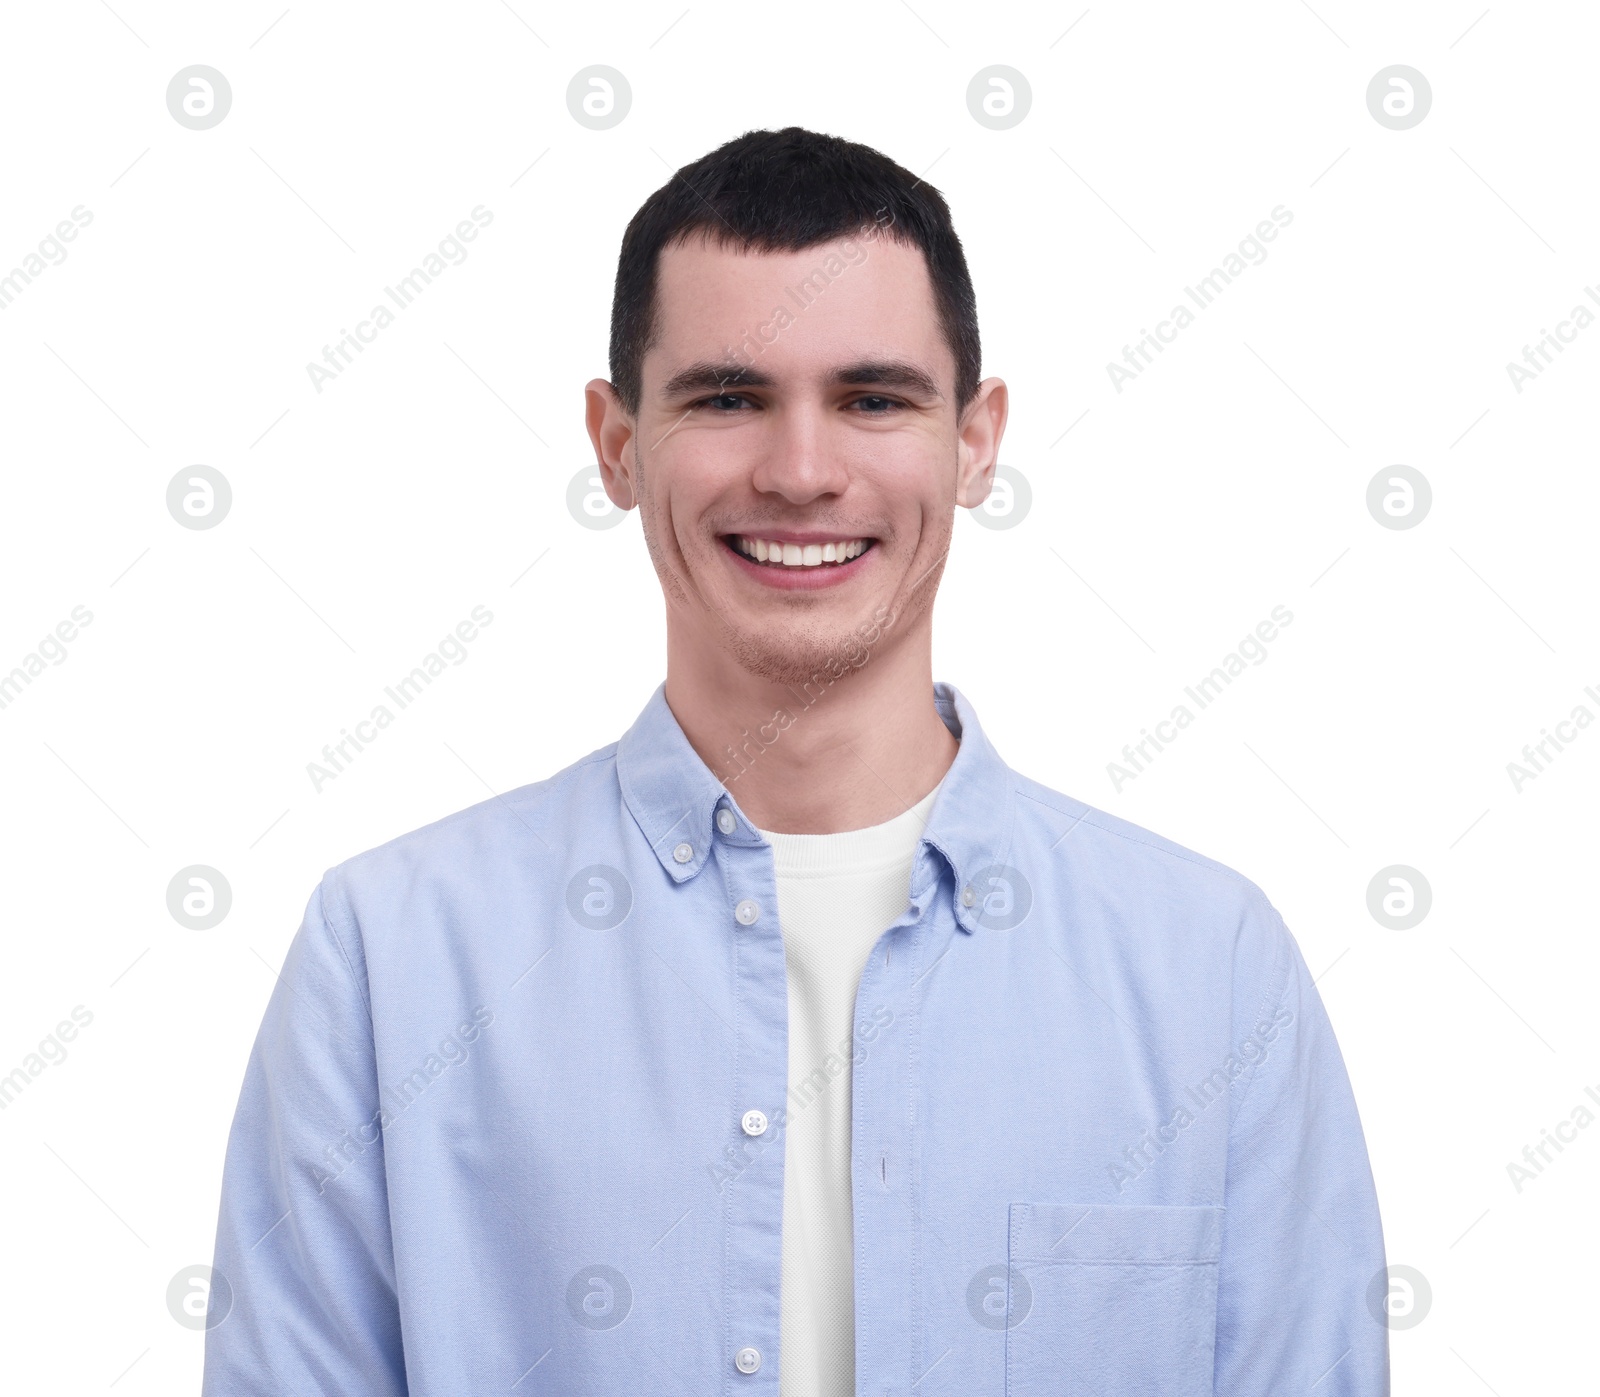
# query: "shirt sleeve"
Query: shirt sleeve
303,1247
1302,1241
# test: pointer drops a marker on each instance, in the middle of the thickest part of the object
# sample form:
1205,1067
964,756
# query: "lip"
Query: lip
800,536
796,579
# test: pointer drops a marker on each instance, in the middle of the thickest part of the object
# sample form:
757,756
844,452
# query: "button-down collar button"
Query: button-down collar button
754,1123
725,821
747,1360
683,853
968,897
747,911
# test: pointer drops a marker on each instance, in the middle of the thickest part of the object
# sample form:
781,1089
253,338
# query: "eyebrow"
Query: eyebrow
707,377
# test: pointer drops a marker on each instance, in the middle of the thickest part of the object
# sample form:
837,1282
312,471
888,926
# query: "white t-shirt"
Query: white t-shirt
837,894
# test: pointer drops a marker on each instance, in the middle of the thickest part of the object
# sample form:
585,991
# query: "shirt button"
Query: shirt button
725,821
968,897
747,911
747,1360
683,853
754,1123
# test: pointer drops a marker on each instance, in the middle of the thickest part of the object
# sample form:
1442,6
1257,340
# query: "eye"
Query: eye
726,402
877,405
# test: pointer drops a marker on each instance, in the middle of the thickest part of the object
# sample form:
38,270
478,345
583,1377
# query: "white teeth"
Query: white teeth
796,555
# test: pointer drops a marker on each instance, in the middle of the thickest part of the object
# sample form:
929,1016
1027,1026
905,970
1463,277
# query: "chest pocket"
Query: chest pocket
1112,1301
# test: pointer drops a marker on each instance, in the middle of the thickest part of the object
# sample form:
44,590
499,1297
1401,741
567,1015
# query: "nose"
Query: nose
798,460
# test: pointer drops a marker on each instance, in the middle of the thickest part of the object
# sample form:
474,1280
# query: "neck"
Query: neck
823,757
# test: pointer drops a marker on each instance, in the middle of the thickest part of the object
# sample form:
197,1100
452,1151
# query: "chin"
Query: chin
797,661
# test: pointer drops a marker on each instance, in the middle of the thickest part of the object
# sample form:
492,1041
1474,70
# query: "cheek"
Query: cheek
698,481
935,529
674,530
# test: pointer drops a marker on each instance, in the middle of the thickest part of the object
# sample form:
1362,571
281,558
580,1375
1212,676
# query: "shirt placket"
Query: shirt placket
747,888
882,1137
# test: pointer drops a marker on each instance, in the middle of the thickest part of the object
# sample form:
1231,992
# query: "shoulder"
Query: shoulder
479,842
1120,868
1128,847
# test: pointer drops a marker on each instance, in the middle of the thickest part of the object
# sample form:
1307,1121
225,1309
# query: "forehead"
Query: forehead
835,300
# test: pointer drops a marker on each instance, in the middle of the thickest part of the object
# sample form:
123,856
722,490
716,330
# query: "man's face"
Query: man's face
797,458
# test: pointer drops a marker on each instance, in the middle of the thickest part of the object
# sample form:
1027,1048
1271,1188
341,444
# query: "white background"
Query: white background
431,476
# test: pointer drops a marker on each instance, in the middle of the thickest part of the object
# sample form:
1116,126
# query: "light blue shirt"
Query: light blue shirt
513,1122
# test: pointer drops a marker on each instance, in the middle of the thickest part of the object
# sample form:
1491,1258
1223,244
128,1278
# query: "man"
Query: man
794,1043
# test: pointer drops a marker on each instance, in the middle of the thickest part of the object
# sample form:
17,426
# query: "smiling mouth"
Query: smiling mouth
774,553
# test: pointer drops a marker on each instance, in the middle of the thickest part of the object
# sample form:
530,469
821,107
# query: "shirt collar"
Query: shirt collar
675,798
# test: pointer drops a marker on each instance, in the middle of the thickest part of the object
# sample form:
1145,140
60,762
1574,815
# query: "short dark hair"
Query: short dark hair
783,191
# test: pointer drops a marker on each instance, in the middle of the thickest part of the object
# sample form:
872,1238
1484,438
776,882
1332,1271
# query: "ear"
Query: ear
611,430
978,435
